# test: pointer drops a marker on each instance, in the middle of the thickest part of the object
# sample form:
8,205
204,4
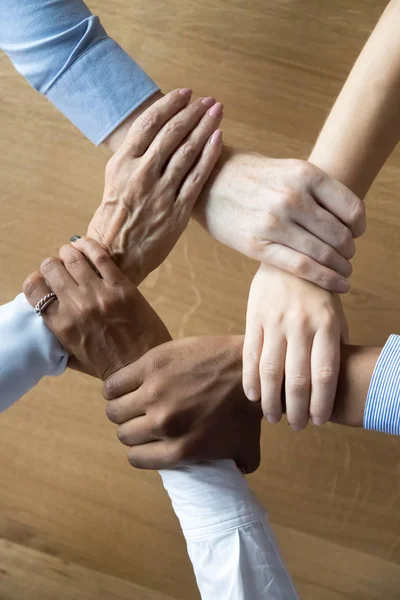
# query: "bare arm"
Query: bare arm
363,127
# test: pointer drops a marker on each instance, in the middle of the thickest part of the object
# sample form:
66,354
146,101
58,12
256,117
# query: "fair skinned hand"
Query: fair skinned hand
153,181
105,323
286,213
293,335
183,402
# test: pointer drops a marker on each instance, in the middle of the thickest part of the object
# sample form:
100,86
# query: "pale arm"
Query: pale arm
363,127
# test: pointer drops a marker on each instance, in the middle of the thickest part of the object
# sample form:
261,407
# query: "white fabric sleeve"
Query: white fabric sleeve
229,539
28,351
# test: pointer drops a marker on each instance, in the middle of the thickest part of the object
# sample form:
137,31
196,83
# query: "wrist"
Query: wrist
236,174
115,139
107,227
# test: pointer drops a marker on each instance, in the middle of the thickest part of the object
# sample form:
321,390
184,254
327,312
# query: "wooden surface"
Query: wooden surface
67,493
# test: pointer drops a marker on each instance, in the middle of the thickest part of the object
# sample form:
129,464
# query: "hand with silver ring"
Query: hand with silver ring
103,321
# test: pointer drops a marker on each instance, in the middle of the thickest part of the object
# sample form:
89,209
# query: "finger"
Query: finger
162,454
304,267
252,348
327,228
198,177
77,265
325,365
298,378
341,202
186,155
176,130
35,288
126,380
146,127
123,409
302,241
100,258
272,363
57,276
136,432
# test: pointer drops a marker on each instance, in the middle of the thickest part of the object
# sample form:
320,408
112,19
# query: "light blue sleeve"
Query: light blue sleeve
65,54
28,351
382,408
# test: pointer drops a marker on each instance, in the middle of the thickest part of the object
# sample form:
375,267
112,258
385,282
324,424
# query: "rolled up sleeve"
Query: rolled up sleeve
65,54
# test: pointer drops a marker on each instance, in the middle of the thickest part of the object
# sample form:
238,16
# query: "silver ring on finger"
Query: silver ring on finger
44,303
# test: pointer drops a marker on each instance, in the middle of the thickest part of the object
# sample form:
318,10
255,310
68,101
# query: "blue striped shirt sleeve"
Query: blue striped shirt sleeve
66,55
382,408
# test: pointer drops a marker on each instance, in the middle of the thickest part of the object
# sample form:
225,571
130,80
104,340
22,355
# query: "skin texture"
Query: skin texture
298,219
293,335
153,181
357,138
183,402
364,124
176,401
104,322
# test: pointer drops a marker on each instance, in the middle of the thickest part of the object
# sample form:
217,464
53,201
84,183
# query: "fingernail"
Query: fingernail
273,419
75,238
318,421
215,140
252,393
343,286
185,92
216,110
209,101
296,427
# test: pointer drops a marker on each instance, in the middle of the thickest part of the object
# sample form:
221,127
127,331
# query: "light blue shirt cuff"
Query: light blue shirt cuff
28,351
101,89
382,408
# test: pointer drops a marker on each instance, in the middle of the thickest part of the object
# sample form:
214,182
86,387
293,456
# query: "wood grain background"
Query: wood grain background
75,520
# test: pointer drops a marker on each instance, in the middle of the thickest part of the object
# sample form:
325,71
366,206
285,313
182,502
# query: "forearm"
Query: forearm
364,124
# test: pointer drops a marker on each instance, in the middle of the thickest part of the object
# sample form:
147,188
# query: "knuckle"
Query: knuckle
134,459
188,150
110,388
70,256
346,239
100,257
49,264
326,256
149,121
123,435
270,370
164,423
297,382
328,319
357,217
276,317
196,176
179,452
30,284
299,319
306,171
112,412
271,222
299,265
325,375
173,128
251,355
291,199
112,165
